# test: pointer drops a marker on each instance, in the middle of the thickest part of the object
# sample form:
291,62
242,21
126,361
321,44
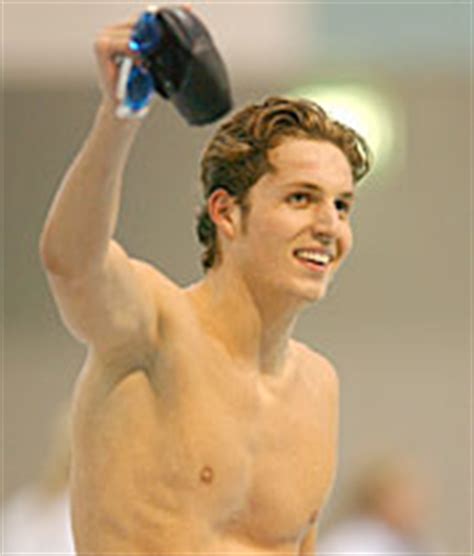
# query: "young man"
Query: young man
200,426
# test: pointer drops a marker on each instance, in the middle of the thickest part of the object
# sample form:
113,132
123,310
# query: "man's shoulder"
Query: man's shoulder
315,364
167,293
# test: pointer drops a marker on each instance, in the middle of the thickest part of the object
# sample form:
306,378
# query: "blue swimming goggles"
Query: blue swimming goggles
135,84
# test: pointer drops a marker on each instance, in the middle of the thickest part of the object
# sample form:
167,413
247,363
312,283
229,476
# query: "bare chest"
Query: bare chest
202,441
265,455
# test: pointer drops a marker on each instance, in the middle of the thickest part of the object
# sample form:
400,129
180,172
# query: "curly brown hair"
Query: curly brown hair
236,156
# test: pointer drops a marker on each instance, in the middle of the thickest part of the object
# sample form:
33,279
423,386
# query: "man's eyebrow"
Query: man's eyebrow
315,187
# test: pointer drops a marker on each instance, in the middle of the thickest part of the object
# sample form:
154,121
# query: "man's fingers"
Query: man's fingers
111,45
128,23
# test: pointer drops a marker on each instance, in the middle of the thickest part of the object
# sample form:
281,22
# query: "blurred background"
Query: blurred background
397,321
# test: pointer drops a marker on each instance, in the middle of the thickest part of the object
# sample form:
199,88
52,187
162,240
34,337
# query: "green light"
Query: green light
367,111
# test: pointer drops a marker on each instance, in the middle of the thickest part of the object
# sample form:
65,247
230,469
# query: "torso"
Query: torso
198,454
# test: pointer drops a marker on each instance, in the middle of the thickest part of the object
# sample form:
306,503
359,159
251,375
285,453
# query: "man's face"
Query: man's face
298,231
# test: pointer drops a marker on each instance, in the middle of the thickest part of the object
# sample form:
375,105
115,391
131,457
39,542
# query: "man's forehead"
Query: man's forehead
316,165
311,160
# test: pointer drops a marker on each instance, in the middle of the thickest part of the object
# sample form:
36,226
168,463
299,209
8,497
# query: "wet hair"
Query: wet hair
236,156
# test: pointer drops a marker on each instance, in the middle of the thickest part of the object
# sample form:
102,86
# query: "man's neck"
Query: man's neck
254,326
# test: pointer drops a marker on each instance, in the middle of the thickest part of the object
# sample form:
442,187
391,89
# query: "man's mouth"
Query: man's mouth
315,260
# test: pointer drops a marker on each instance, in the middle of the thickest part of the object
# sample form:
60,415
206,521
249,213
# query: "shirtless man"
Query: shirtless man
200,425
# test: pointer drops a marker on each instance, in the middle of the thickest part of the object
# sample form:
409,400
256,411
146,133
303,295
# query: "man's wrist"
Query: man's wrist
107,113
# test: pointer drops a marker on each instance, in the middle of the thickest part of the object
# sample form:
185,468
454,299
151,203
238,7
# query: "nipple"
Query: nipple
207,474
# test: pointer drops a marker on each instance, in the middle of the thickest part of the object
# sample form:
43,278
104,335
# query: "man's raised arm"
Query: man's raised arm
105,298
84,213
83,216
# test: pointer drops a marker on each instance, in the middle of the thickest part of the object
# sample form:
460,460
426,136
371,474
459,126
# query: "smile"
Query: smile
316,261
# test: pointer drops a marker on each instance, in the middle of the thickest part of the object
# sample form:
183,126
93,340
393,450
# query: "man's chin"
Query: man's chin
311,293
316,295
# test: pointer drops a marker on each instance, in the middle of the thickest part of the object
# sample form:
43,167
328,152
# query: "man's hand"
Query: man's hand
110,46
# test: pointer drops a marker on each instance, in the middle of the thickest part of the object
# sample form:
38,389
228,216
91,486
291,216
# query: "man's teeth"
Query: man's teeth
320,258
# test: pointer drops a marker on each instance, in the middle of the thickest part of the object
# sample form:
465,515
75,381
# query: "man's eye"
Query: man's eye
299,198
343,206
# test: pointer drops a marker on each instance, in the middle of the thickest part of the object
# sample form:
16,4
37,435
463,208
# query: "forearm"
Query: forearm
84,213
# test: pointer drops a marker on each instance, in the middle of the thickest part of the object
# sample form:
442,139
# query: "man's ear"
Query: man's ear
223,211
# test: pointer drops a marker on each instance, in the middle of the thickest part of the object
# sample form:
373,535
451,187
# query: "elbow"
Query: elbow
65,260
45,251
51,261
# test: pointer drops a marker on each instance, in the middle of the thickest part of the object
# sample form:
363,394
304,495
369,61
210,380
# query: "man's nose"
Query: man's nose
326,220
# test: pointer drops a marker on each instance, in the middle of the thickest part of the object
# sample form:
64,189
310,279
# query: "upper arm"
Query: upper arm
330,380
308,544
331,396
324,378
115,309
325,381
327,388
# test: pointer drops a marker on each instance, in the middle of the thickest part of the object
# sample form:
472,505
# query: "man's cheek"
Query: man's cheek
347,242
